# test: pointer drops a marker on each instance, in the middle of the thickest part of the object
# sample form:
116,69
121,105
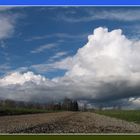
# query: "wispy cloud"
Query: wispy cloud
44,47
4,68
6,26
2,44
91,14
59,61
8,22
64,64
59,36
6,8
58,55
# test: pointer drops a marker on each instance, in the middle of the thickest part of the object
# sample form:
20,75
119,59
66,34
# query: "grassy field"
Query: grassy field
20,111
128,115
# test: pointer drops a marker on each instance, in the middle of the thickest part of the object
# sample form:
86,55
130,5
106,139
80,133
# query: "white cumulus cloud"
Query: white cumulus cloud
106,54
104,71
19,78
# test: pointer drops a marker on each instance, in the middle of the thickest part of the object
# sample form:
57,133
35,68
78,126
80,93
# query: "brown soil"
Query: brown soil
66,122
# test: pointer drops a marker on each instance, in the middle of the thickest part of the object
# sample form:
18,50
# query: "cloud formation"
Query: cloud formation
105,71
7,26
7,22
44,47
91,14
5,8
18,78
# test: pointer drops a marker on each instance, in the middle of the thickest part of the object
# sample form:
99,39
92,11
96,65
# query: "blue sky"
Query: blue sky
44,35
46,54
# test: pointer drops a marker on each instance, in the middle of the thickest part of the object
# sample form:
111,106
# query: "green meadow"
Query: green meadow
128,115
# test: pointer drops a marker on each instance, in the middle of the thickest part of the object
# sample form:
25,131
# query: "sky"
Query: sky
90,54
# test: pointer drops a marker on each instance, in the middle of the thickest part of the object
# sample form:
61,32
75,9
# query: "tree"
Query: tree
75,106
9,103
70,105
67,104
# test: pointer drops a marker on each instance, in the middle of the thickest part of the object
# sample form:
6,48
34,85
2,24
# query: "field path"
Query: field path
66,122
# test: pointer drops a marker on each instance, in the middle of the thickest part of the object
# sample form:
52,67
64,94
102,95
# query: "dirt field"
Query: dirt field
65,122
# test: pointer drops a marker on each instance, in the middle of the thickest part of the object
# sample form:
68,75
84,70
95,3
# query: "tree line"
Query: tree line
66,105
